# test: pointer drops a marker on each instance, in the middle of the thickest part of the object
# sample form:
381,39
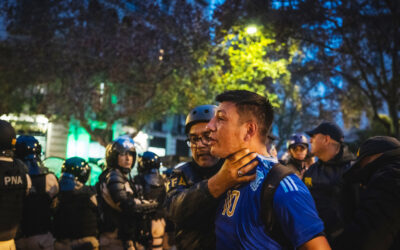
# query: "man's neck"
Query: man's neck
259,148
329,154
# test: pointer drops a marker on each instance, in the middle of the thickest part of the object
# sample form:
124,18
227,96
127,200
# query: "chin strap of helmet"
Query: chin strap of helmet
124,170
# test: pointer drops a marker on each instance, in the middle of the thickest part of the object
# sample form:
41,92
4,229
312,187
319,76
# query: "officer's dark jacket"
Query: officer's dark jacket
76,215
375,223
152,187
191,207
121,216
331,195
37,210
13,187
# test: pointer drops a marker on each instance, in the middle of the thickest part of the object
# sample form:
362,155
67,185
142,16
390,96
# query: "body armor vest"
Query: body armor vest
13,185
122,219
109,217
76,215
152,185
36,218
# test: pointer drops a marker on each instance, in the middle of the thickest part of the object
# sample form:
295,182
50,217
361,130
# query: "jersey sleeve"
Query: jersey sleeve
295,210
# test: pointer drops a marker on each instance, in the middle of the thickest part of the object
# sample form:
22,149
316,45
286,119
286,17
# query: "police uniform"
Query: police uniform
75,218
36,224
191,207
14,185
332,196
375,218
117,206
238,220
150,186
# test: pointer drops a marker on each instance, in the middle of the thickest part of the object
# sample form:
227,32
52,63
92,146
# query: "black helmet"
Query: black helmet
147,161
7,138
296,139
29,151
121,145
202,113
27,147
78,167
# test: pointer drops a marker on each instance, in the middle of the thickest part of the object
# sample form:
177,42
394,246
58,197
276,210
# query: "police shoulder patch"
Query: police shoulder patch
308,181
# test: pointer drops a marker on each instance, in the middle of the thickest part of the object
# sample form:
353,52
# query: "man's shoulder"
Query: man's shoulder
312,169
292,183
182,175
182,166
266,161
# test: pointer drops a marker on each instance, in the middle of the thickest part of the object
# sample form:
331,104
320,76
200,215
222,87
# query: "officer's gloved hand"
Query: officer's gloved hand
146,206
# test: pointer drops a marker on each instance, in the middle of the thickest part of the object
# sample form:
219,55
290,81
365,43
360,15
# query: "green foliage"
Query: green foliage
355,45
99,61
249,62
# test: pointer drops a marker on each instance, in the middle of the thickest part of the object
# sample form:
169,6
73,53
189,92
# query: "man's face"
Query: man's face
125,160
318,144
298,151
226,131
201,151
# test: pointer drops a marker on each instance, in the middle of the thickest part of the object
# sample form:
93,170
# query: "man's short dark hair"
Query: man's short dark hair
251,103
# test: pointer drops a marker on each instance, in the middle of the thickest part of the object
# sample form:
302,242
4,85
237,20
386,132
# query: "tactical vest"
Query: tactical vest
110,218
13,185
36,218
76,215
330,193
152,185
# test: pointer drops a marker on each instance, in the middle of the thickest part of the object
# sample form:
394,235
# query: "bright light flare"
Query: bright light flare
251,30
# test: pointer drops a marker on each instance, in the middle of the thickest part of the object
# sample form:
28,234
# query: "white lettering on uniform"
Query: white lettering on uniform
13,179
7,179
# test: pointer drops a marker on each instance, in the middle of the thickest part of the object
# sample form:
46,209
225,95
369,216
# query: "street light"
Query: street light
251,30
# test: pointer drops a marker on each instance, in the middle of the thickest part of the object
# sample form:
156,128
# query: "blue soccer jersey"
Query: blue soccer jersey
238,223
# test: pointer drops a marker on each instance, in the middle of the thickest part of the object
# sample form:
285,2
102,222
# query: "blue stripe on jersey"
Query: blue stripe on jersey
238,224
284,187
288,184
291,181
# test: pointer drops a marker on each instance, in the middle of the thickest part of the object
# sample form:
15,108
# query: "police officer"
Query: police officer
324,178
75,219
189,203
375,220
36,223
14,185
150,185
118,203
298,154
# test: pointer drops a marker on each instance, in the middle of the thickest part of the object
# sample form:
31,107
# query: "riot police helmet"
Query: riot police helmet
297,139
29,150
121,145
77,167
7,138
148,161
202,113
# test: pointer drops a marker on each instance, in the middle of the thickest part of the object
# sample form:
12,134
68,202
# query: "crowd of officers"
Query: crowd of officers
357,197
39,211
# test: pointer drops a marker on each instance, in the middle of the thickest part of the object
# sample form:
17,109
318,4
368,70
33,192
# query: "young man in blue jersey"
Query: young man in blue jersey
240,125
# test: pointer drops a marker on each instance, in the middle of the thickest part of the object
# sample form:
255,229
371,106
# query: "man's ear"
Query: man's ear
327,139
251,130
